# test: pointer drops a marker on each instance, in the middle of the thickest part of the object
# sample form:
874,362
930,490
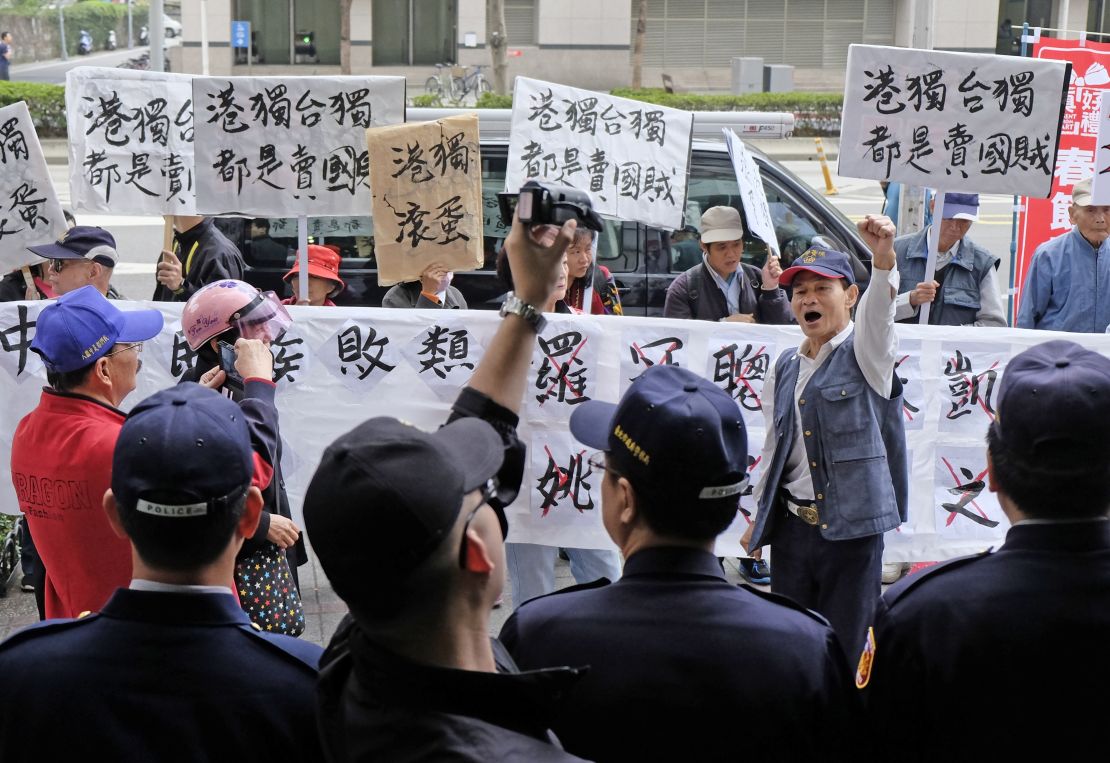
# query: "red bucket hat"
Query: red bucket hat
323,262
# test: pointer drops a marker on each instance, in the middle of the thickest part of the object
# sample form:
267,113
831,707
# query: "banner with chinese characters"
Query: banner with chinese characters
427,192
289,146
29,209
756,211
130,141
631,156
338,366
955,121
1042,219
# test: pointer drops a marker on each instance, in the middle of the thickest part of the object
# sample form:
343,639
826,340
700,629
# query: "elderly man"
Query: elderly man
998,655
1068,284
84,255
412,674
674,466
62,450
835,475
720,287
964,289
171,668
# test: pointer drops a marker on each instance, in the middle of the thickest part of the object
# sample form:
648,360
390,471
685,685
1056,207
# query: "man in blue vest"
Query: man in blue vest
964,289
835,450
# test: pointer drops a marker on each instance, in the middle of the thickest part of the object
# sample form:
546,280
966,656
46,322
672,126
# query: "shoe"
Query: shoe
755,571
893,571
26,585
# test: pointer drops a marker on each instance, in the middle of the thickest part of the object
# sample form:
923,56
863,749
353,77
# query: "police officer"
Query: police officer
676,653
1002,655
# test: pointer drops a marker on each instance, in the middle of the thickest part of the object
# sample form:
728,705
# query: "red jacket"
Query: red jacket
61,468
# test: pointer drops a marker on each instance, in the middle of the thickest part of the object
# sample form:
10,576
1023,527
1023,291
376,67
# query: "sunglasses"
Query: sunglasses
488,493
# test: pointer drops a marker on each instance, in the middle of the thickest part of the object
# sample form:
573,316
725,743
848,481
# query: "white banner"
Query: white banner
953,121
130,141
289,146
339,366
29,209
632,157
756,210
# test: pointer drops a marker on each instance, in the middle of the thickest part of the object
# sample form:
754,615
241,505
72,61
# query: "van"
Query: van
643,260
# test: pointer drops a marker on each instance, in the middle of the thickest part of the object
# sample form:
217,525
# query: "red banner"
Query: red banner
1043,219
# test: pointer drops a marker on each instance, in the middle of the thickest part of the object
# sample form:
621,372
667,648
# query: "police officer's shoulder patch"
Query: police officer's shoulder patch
784,601
866,660
46,628
913,581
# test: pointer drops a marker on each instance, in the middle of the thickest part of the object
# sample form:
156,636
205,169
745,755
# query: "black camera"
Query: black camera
540,203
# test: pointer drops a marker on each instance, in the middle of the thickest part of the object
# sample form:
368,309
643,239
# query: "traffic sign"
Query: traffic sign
240,34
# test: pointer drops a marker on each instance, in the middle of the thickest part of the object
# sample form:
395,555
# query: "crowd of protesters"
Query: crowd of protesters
168,554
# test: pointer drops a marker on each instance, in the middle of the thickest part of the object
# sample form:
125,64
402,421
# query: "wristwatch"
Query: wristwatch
513,305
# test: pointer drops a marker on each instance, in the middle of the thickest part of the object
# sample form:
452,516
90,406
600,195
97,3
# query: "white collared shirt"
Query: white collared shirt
875,347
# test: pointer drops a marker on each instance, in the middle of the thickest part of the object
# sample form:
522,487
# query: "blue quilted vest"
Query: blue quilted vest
958,302
855,441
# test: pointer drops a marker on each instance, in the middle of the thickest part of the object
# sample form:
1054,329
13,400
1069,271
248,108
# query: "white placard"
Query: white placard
632,157
289,146
318,401
130,142
953,121
29,209
756,210
1100,184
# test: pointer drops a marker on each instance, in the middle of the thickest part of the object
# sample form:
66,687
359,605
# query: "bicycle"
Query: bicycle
441,83
466,82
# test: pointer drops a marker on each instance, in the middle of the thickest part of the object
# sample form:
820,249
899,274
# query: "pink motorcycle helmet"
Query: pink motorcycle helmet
229,304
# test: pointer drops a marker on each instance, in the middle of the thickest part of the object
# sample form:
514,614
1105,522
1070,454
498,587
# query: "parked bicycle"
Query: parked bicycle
469,80
441,84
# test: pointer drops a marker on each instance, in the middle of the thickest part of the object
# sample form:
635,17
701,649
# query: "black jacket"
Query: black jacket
694,294
206,256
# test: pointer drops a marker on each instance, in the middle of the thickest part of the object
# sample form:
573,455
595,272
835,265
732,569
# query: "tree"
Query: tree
498,42
638,46
345,36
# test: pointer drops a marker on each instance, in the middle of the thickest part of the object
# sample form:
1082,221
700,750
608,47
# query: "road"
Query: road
54,71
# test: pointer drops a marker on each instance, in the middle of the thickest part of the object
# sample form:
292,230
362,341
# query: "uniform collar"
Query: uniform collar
158,608
672,560
1072,536
73,403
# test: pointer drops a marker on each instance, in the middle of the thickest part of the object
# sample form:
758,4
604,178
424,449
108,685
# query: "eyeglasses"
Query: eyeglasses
597,461
488,492
124,347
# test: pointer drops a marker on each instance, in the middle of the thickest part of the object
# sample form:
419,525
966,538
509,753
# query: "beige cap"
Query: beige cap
1081,193
721,224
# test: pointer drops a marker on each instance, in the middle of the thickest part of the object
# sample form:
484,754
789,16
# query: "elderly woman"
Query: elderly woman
606,300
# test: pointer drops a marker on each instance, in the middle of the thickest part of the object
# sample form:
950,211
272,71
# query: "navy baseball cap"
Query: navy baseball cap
183,452
387,494
827,263
82,325
1054,403
961,206
81,242
673,433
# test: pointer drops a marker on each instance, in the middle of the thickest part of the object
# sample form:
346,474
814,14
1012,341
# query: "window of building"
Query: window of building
520,21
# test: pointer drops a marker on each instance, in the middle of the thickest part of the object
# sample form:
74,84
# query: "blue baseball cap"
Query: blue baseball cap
183,452
673,433
827,263
82,325
1054,403
961,206
81,242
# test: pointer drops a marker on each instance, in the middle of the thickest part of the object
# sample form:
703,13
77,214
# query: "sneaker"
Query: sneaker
26,585
893,571
755,571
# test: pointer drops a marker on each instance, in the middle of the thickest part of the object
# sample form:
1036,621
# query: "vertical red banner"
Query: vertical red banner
1042,219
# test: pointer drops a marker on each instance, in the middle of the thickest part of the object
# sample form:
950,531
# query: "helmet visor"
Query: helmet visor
264,318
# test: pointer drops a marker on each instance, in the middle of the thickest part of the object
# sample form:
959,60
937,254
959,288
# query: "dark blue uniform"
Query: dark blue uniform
684,665
1002,653
157,676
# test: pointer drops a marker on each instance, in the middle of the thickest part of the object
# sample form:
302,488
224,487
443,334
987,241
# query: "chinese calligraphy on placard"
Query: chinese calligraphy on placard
29,210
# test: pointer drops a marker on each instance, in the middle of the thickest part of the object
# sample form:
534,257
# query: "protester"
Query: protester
5,55
1000,654
835,475
209,256
14,286
964,295
324,283
262,246
1068,284
412,673
433,290
62,450
532,565
585,277
721,288
685,249
674,645
84,255
238,315
171,668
